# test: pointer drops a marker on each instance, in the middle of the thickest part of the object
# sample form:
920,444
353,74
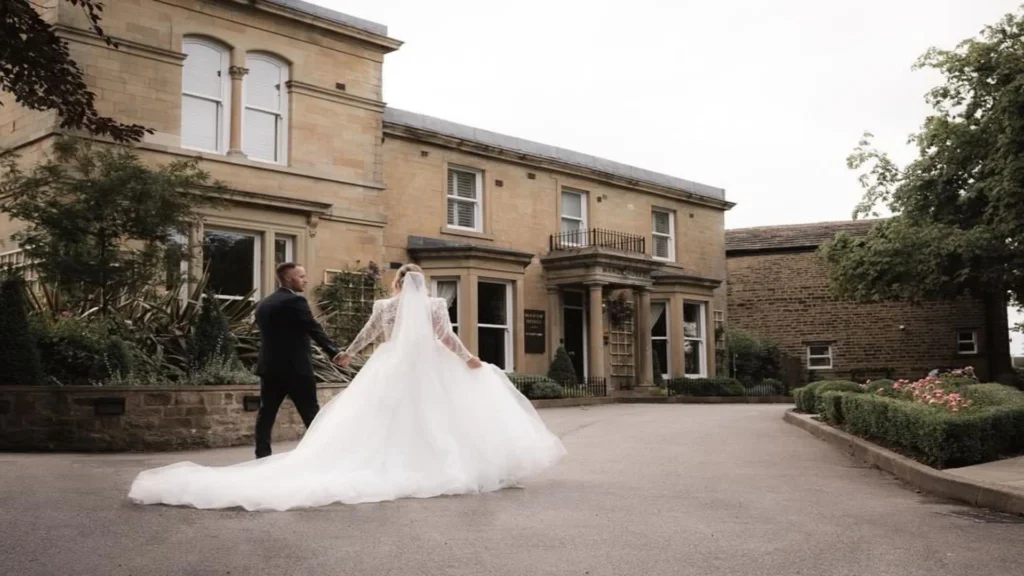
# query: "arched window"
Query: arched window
206,96
264,129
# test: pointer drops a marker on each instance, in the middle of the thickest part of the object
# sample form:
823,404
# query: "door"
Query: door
574,323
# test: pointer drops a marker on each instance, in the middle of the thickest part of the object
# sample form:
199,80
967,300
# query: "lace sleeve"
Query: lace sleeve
370,332
443,330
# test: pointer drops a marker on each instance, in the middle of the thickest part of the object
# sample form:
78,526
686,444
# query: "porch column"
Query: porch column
596,332
237,73
468,330
644,360
554,321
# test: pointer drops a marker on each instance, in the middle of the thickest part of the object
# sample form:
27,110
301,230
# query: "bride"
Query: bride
422,418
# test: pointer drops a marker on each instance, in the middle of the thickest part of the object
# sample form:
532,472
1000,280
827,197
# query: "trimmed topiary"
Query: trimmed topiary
562,370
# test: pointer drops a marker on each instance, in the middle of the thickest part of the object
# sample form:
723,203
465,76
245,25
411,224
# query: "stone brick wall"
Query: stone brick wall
154,419
784,297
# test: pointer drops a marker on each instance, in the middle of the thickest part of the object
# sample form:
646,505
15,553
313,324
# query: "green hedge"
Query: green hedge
938,438
833,386
993,395
806,398
706,387
536,387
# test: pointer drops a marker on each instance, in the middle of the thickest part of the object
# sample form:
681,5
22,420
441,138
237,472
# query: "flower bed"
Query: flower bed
945,420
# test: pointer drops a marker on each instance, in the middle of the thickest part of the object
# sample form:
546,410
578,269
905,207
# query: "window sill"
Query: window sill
466,233
240,160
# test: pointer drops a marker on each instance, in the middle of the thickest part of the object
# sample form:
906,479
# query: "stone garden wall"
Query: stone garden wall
96,419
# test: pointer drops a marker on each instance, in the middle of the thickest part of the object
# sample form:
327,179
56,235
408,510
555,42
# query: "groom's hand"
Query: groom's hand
343,360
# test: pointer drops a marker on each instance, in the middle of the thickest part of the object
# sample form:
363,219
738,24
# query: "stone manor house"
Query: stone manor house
532,245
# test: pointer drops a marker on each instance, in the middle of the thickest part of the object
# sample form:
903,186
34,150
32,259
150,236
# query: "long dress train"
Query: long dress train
415,422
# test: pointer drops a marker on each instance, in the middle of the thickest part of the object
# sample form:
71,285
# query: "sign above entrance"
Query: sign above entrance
534,328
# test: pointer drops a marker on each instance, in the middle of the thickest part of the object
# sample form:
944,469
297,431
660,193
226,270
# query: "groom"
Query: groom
285,367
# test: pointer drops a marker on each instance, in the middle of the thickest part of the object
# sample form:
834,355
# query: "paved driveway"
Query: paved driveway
646,490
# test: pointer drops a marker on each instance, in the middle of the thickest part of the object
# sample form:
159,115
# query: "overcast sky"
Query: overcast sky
764,98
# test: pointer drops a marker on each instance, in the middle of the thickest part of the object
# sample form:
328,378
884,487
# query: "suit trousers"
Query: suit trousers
273,390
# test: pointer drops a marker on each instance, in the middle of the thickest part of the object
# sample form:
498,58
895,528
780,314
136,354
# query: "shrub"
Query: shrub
220,371
19,356
831,386
985,395
211,339
83,352
706,387
883,383
562,370
936,437
831,403
804,397
776,385
753,359
536,387
545,389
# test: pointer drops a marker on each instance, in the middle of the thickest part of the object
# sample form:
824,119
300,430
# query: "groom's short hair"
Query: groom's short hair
283,269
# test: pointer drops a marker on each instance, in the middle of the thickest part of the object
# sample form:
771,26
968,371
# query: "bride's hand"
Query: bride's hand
474,363
342,360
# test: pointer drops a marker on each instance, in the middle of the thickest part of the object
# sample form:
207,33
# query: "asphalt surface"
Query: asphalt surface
648,490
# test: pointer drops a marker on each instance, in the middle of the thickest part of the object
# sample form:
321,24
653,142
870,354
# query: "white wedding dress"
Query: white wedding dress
415,422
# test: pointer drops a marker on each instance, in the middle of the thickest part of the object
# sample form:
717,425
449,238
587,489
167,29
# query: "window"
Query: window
263,128
967,342
494,323
819,357
284,249
232,259
663,229
464,199
205,96
574,216
659,336
449,290
694,347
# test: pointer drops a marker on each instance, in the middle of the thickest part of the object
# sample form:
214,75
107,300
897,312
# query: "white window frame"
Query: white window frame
289,247
509,319
671,234
224,104
478,202
257,269
830,356
702,340
667,368
581,219
458,298
281,146
973,341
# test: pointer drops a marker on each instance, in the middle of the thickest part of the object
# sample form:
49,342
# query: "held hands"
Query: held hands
474,363
342,360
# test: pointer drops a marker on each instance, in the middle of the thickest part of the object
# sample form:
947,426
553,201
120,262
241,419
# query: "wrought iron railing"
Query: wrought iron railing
541,388
596,237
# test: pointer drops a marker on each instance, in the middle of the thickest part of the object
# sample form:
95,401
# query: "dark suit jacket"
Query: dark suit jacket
286,325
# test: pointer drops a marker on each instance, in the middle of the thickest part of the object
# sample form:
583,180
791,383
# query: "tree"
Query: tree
101,222
958,224
19,357
36,67
562,370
